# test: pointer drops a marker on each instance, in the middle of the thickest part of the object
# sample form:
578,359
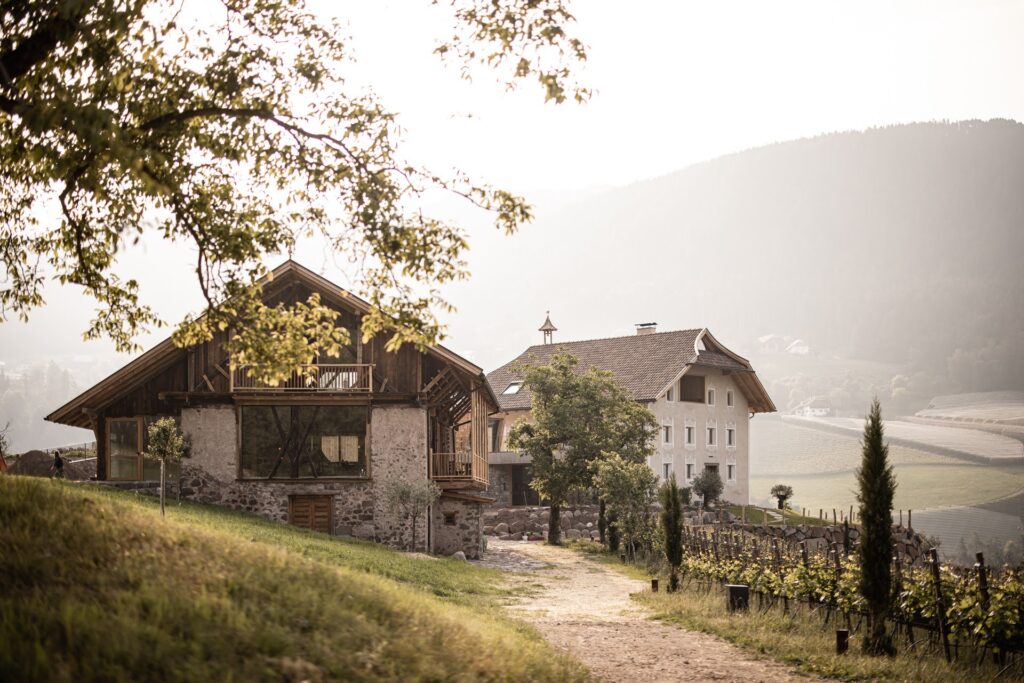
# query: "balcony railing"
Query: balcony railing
322,378
463,466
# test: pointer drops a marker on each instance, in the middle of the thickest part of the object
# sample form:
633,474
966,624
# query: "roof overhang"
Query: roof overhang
161,356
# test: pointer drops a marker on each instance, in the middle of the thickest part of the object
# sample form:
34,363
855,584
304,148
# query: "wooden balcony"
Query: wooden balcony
325,378
458,468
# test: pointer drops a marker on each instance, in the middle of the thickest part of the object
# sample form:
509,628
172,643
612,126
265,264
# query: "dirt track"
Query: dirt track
585,608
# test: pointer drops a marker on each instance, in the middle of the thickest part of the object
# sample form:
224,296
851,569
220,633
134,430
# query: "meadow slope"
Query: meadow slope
98,587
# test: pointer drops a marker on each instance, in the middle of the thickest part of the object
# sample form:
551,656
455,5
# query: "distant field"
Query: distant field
780,447
820,467
918,486
963,440
995,406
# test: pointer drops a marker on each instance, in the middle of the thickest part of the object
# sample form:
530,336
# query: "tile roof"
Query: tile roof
642,363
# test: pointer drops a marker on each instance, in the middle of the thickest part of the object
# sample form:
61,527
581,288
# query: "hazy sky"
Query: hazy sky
676,82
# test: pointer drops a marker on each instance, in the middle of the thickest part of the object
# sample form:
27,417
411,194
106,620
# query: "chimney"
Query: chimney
646,328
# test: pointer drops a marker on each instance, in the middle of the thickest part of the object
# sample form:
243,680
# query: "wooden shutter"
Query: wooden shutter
311,512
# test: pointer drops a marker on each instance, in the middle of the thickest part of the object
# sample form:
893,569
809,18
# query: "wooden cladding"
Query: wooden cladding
311,512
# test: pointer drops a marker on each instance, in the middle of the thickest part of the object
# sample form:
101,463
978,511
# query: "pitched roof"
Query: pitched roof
166,352
644,364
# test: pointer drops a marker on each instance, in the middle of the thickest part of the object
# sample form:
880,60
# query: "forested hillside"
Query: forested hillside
899,245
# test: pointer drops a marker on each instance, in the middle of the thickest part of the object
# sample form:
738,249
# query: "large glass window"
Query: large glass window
125,434
124,448
303,441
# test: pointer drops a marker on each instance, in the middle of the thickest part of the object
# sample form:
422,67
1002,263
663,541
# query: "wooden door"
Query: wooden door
311,512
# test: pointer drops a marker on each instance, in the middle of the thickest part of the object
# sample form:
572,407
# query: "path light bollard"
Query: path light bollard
842,641
654,585
737,597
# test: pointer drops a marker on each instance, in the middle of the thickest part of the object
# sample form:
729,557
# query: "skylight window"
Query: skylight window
512,388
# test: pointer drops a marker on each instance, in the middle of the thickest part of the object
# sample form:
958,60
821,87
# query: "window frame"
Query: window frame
667,437
730,437
712,395
367,440
518,387
670,394
140,444
730,471
711,432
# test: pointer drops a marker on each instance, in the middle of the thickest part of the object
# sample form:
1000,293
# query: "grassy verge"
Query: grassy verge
803,641
756,515
97,587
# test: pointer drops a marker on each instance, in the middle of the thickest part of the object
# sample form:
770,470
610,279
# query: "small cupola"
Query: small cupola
646,328
548,328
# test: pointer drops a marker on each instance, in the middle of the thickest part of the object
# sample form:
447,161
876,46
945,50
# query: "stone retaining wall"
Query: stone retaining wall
911,546
513,523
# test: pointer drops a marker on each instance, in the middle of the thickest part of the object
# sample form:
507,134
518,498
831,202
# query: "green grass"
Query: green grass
756,515
96,586
802,641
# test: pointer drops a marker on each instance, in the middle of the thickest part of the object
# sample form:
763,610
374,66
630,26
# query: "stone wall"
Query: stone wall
513,522
500,486
458,526
398,447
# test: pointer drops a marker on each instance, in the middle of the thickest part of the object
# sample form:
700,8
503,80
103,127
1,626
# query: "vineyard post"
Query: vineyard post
982,579
898,579
910,523
850,516
821,513
834,522
901,518
940,610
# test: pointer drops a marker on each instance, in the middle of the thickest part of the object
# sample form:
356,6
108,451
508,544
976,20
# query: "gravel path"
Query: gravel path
585,608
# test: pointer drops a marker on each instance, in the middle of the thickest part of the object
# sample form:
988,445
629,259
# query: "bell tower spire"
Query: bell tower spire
548,329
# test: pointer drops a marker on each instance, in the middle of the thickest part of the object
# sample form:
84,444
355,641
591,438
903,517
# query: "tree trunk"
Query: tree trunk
602,522
555,525
413,548
163,486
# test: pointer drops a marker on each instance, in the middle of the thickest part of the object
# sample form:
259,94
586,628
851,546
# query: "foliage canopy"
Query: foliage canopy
230,127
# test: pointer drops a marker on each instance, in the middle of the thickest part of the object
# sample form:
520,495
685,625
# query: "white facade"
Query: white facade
693,436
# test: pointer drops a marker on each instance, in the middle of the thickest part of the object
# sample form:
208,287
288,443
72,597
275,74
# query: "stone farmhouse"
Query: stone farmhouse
316,450
702,394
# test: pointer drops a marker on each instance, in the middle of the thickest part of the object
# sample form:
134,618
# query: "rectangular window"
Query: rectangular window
711,468
512,388
690,439
729,401
670,395
712,436
711,397
494,426
689,470
667,467
666,434
691,388
730,437
731,471
127,440
303,441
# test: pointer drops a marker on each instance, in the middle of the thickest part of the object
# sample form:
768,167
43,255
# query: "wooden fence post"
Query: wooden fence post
910,522
940,608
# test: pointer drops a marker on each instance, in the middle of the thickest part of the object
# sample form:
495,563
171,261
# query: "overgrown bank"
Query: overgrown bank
96,586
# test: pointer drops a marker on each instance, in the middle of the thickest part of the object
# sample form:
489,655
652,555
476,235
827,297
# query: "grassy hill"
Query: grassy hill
96,586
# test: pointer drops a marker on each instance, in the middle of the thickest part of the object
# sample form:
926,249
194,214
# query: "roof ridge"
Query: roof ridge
621,336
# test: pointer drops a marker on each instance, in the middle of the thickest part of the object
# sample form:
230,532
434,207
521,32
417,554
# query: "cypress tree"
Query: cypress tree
672,525
877,487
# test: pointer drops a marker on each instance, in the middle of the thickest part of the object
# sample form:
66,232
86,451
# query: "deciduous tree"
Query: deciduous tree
577,415
167,444
708,485
230,126
782,493
630,488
